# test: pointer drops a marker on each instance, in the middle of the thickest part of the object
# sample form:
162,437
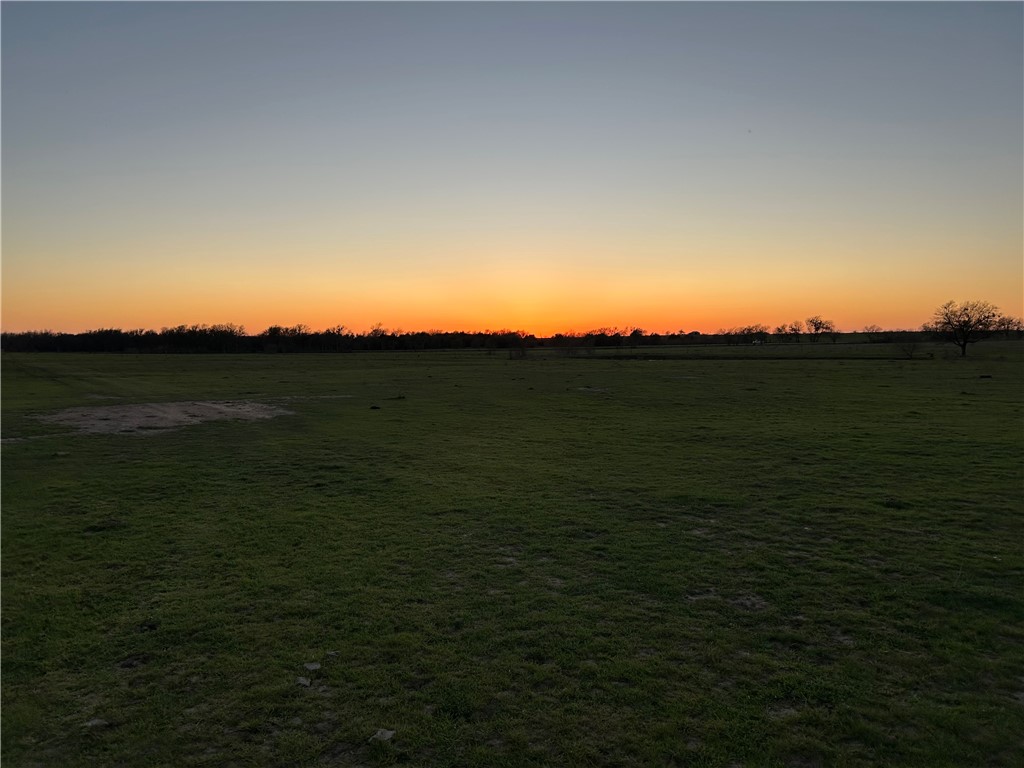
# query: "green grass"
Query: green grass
545,561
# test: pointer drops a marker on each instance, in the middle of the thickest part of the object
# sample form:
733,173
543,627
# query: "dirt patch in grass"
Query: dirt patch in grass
158,417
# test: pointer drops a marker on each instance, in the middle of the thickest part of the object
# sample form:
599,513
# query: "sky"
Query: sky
547,167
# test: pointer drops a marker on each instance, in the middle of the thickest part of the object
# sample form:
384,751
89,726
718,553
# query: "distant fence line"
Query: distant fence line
233,339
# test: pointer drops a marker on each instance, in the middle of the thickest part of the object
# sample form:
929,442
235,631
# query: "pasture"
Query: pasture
442,559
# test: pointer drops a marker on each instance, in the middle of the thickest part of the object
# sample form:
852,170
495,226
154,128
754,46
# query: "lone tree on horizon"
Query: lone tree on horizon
817,325
964,322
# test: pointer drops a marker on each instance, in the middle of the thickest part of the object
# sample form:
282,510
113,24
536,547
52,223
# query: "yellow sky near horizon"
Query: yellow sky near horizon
537,295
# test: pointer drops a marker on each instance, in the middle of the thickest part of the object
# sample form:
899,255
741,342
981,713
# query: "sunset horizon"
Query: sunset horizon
539,331
552,383
540,167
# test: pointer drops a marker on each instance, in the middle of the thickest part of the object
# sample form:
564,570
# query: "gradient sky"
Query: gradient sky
537,166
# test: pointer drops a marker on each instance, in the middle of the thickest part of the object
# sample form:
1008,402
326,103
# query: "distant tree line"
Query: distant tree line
960,323
229,338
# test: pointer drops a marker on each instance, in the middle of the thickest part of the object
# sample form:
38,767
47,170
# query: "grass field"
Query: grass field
548,561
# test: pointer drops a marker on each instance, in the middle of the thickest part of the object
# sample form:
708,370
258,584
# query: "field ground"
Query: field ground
547,561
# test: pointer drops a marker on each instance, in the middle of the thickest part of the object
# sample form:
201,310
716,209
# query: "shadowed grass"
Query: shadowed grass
535,562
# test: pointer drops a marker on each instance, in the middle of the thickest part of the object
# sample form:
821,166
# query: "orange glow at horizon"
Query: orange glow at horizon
660,282
535,299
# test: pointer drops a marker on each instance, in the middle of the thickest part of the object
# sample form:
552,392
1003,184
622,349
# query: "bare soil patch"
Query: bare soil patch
158,417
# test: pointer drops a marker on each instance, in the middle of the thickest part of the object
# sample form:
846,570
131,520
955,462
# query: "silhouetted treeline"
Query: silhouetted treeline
233,339
230,338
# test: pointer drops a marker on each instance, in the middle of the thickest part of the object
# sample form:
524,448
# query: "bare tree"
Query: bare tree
873,332
963,323
817,326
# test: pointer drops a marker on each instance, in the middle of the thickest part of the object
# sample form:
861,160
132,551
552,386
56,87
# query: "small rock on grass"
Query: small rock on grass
97,723
303,681
382,734
312,666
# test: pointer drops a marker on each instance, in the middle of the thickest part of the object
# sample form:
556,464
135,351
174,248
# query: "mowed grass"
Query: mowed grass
545,561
